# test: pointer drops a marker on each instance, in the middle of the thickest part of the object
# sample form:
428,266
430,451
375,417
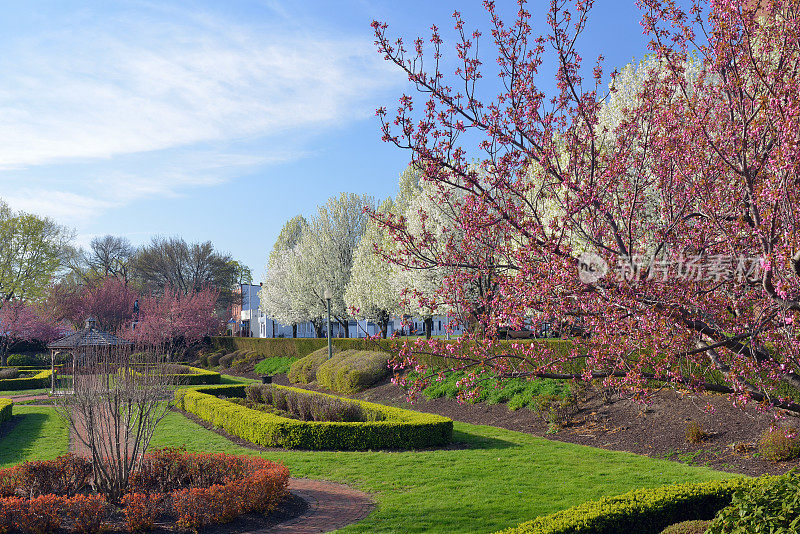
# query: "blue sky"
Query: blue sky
216,120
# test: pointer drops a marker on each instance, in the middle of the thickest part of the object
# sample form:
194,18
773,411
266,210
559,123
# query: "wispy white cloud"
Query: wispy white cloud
162,82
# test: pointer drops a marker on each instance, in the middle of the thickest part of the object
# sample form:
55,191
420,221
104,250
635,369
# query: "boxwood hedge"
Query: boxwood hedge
401,429
643,510
300,347
38,381
6,405
198,376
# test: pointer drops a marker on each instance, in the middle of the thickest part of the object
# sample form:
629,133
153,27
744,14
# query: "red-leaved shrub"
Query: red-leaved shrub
142,511
197,489
88,513
66,475
40,515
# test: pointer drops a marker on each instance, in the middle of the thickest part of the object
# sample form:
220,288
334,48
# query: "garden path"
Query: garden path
331,506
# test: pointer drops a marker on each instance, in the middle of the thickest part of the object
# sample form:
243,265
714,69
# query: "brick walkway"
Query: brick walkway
330,506
25,398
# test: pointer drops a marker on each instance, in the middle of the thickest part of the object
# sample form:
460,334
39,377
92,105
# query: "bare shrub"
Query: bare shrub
117,399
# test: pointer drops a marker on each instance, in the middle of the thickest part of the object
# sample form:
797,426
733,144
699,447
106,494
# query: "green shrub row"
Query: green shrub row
300,347
400,429
6,406
304,370
642,511
197,377
352,371
38,381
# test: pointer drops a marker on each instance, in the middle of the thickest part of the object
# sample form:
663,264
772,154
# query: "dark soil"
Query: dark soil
656,429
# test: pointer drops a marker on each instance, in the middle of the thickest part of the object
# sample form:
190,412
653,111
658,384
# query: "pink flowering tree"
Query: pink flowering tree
667,224
110,302
175,320
20,321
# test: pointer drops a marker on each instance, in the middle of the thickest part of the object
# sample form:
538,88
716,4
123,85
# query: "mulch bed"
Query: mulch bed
656,429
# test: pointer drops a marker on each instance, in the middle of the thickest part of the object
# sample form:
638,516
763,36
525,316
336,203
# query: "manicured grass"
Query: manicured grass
275,366
38,434
491,479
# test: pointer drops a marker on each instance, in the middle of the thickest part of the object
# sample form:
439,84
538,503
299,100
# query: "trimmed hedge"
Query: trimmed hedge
642,511
38,381
353,371
198,377
401,429
6,408
304,370
300,347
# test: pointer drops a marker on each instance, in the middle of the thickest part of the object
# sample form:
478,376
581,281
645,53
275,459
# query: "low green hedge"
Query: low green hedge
401,429
643,511
198,377
300,347
353,371
38,381
6,405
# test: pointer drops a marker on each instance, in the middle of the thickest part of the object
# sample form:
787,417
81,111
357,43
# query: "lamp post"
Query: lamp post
328,301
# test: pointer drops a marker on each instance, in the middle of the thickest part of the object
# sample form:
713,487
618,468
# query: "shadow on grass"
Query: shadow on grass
24,430
475,441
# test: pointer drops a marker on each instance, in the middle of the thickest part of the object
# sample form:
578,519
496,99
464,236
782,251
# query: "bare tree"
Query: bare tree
110,256
172,262
116,399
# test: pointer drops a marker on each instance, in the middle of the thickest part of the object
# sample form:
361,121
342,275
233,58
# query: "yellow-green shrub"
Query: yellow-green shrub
643,511
38,381
304,370
196,376
6,406
400,429
779,443
353,371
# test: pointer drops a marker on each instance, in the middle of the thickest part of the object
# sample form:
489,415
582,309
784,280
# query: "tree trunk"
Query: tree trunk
294,330
383,323
346,326
428,327
317,327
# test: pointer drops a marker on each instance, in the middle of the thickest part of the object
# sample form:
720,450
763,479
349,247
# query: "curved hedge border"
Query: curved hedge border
37,381
402,429
198,377
642,510
6,406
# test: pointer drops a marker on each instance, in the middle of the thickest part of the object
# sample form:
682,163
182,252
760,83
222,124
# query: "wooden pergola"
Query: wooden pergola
78,344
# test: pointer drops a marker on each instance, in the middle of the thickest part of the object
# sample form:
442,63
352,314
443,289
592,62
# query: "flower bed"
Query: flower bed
643,511
189,490
398,429
41,379
6,406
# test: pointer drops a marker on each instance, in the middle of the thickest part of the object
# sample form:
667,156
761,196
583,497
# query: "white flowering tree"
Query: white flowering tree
326,252
373,292
279,296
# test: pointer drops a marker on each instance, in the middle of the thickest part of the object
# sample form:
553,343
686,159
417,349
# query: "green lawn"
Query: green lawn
493,479
18,392
39,434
